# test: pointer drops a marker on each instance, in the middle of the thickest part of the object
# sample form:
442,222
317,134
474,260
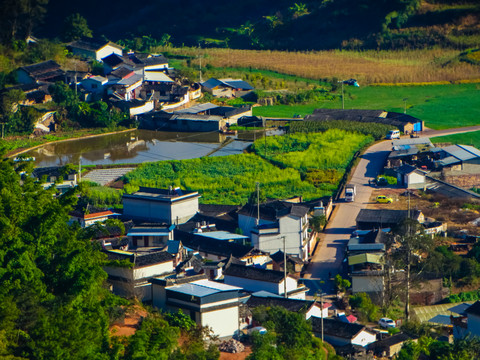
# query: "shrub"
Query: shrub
366,309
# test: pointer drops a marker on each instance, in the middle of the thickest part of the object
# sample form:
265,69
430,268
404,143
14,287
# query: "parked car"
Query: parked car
386,323
382,199
393,134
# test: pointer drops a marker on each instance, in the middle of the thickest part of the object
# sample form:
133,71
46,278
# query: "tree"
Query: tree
52,282
341,284
75,27
407,243
317,222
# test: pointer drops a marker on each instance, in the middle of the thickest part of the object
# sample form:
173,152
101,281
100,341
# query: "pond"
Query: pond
140,146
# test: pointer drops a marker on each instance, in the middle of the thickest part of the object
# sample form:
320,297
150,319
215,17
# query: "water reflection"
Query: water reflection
134,147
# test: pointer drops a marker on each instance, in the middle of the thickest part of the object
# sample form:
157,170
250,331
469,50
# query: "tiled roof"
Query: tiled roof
140,259
41,68
474,309
98,215
289,304
274,210
216,247
252,273
336,328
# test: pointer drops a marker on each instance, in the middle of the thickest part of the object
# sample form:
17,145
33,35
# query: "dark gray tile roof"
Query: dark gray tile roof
336,328
289,304
274,210
216,247
278,257
41,68
141,259
474,309
385,216
252,273
390,341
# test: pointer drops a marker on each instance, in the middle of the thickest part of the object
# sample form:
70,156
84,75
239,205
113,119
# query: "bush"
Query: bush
366,309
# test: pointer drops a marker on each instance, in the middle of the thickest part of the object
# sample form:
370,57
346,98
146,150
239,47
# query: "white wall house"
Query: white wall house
279,221
208,303
133,281
338,333
254,279
94,84
95,49
86,220
158,205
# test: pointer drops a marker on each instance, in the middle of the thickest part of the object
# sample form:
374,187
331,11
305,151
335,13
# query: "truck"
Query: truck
350,192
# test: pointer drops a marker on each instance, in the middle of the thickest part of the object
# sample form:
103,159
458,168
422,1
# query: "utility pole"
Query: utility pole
405,105
80,169
321,313
257,184
3,128
284,269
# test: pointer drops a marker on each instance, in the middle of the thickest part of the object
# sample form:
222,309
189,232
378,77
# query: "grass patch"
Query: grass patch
285,171
440,106
470,138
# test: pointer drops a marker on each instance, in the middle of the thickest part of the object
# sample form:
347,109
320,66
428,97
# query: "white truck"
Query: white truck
350,192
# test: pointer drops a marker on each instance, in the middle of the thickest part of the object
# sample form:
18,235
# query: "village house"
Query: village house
150,234
88,219
390,346
366,272
339,333
254,279
94,48
95,85
219,250
208,303
281,225
46,71
307,307
133,281
459,165
410,177
405,123
53,176
173,206
226,87
369,219
294,263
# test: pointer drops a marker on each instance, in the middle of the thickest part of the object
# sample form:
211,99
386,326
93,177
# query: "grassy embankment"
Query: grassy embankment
471,138
291,167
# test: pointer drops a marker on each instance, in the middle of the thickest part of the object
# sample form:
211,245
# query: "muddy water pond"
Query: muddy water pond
140,146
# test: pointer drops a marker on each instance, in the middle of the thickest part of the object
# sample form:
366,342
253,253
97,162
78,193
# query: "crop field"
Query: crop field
405,66
470,138
292,167
440,106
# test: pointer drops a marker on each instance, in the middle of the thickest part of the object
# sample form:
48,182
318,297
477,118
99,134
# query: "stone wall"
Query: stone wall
466,181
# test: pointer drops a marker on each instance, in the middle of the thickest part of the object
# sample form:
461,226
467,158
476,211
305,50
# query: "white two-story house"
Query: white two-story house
277,225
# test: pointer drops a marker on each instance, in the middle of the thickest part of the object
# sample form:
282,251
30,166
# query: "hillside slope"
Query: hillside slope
283,24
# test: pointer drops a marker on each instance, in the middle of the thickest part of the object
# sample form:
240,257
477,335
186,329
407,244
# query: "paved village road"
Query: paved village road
328,257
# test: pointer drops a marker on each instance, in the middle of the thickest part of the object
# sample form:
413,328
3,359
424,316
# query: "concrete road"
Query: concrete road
329,255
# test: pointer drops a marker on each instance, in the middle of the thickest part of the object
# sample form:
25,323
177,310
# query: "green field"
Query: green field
293,165
470,138
440,106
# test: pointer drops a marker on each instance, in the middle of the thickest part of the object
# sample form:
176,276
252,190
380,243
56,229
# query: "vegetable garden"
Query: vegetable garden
292,166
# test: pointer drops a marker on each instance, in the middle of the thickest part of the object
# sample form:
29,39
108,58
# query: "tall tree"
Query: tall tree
75,27
407,245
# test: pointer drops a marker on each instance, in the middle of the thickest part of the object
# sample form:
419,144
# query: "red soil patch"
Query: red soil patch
238,356
130,323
